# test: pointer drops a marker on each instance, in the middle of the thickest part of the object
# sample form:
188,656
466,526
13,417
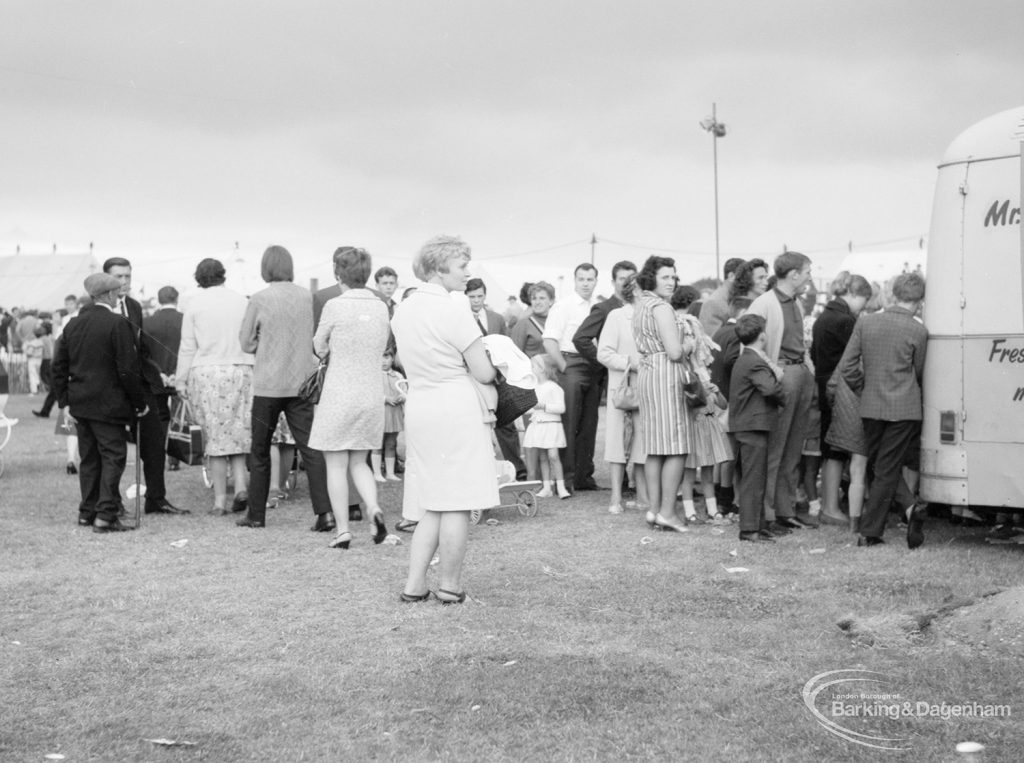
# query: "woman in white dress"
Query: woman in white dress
449,467
349,420
616,351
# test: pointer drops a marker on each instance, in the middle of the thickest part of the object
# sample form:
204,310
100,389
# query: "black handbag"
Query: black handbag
513,401
314,383
693,389
184,436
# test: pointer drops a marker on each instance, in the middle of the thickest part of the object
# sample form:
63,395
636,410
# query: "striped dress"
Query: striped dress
665,422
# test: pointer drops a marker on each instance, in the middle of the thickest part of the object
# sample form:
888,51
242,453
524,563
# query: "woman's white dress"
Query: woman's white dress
450,464
350,416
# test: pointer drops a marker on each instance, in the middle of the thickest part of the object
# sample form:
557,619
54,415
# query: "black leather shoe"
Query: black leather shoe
115,526
71,468
791,523
355,514
240,503
757,537
324,523
766,534
777,528
862,541
803,523
915,526
246,522
40,415
163,506
86,520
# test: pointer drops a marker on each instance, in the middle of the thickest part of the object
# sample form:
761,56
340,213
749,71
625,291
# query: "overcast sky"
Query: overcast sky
167,131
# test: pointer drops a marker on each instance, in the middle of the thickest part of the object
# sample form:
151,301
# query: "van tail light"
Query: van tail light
947,426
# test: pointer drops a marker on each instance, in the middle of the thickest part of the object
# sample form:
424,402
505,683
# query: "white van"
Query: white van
972,443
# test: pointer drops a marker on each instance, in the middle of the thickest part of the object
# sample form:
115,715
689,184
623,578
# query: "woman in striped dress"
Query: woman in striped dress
665,422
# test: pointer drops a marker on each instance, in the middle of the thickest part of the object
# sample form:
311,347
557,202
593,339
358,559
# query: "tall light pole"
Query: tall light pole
717,130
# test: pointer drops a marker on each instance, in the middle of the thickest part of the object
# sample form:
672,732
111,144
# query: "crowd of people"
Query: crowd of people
719,408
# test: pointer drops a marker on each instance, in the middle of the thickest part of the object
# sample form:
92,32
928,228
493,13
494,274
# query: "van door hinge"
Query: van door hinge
963,189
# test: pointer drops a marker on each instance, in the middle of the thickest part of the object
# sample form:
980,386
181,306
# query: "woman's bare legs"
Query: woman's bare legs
616,472
337,485
219,478
239,474
858,474
452,538
362,478
643,499
425,539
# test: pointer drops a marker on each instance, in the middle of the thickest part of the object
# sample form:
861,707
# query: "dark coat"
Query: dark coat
152,383
725,356
830,335
754,394
96,368
161,334
586,336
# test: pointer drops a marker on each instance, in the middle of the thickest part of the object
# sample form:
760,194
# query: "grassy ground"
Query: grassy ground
587,637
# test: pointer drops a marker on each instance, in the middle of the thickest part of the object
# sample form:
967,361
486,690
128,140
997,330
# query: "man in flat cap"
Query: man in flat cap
96,372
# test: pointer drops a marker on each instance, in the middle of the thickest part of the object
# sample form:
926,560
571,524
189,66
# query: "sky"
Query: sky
167,132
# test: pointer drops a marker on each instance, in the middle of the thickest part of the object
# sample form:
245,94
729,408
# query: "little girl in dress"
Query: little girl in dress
394,420
545,434
710,443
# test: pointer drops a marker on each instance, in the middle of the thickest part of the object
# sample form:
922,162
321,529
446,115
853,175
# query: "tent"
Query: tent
41,281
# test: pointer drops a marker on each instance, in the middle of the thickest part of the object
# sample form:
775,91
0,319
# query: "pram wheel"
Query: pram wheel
474,516
526,502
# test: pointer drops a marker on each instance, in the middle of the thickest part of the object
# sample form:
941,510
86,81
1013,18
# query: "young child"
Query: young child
545,436
755,392
394,420
34,348
710,444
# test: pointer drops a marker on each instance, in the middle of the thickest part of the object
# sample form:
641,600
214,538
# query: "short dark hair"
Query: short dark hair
731,265
787,262
525,292
384,272
908,287
646,279
622,265
584,266
475,283
352,266
115,262
277,265
68,298
209,272
683,297
749,327
543,286
167,295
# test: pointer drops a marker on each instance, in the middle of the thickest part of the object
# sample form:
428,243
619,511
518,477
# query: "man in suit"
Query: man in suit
162,335
492,323
96,372
152,431
755,392
578,378
883,363
714,310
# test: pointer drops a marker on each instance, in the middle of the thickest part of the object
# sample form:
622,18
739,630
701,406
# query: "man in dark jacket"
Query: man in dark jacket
96,372
161,333
152,430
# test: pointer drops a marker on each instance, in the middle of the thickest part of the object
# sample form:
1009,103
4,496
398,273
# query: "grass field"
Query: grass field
587,637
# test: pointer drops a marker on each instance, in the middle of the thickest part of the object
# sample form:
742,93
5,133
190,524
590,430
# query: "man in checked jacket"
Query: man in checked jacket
884,363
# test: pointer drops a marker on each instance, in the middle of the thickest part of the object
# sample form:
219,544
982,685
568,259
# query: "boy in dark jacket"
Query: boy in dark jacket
755,394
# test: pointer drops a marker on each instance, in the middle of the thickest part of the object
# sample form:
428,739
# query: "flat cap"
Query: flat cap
100,283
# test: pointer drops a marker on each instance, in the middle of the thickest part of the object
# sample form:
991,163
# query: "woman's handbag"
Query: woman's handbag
184,436
693,389
513,401
625,397
314,384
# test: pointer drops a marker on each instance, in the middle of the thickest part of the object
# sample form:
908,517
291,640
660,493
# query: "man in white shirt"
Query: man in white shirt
580,380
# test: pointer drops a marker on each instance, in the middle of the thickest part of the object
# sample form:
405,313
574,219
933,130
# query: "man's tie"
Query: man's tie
124,307
481,319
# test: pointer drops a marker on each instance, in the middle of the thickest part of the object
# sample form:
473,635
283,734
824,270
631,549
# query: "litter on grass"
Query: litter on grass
493,522
816,551
392,540
171,742
510,662
179,543
54,756
645,540
733,553
736,569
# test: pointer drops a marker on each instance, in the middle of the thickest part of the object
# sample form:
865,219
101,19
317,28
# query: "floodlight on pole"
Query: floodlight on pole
717,130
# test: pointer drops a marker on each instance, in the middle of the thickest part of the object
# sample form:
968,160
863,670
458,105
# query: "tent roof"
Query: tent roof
41,281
